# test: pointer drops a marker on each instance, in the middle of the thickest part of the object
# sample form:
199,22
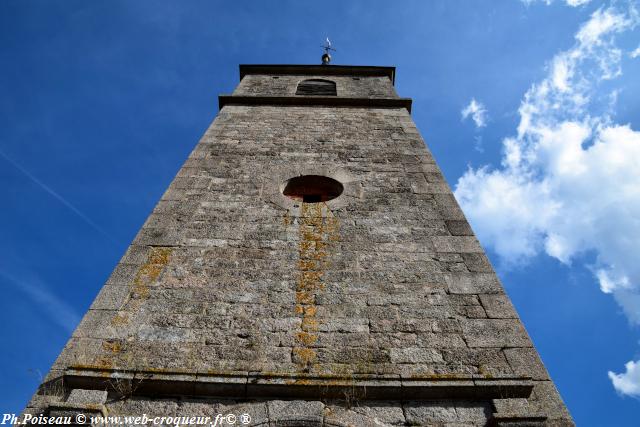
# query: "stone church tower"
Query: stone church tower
308,266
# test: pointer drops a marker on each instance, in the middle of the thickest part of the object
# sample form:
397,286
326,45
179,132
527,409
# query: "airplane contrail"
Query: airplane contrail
57,196
54,307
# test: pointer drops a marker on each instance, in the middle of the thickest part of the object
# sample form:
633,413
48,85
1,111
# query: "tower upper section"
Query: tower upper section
329,85
309,265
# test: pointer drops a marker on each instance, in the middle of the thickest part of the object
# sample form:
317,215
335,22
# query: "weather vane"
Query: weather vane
326,58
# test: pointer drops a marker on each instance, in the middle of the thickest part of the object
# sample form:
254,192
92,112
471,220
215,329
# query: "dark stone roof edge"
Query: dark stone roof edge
328,101
314,70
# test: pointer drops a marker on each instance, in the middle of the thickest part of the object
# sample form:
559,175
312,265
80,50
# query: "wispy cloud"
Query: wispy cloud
476,111
569,178
477,144
572,3
57,310
635,53
56,196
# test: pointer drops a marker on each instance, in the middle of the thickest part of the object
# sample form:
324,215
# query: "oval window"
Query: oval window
312,188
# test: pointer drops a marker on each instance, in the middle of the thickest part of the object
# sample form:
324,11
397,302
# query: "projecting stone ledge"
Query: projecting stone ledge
327,101
246,385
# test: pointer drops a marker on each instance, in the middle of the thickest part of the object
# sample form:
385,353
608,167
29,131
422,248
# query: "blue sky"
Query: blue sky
531,109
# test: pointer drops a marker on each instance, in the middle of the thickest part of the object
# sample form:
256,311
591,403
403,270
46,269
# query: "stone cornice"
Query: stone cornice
325,101
255,385
318,70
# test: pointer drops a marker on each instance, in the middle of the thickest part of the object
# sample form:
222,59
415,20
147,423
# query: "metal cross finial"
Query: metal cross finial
326,58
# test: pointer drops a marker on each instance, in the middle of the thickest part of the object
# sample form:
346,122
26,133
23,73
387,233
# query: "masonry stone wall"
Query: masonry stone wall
233,291
346,86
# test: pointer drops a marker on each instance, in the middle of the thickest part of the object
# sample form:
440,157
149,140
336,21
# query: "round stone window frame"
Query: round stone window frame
272,188
312,188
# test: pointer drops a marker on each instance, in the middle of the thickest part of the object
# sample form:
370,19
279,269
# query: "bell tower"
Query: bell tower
308,266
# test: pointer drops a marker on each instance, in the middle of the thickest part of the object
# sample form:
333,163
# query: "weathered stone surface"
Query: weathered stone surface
138,406
229,280
472,283
494,333
447,412
546,400
337,415
525,361
111,297
498,306
381,412
295,412
459,228
85,397
257,411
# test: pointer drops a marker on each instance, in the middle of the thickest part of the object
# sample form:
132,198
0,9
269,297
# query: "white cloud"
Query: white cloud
635,53
629,300
628,382
477,112
572,3
602,22
569,182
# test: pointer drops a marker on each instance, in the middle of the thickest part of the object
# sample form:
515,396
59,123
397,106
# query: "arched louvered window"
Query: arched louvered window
316,87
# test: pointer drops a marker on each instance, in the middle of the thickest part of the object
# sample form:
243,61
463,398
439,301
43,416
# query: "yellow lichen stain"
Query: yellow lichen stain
159,256
310,311
303,297
434,376
306,356
309,323
310,279
317,230
347,380
482,370
306,246
307,264
148,273
299,381
306,338
112,346
286,219
104,363
120,319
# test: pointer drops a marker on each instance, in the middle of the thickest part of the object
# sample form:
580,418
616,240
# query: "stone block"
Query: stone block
477,262
494,333
87,397
546,400
425,413
526,362
415,355
472,283
459,244
111,297
387,412
498,306
295,412
459,228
